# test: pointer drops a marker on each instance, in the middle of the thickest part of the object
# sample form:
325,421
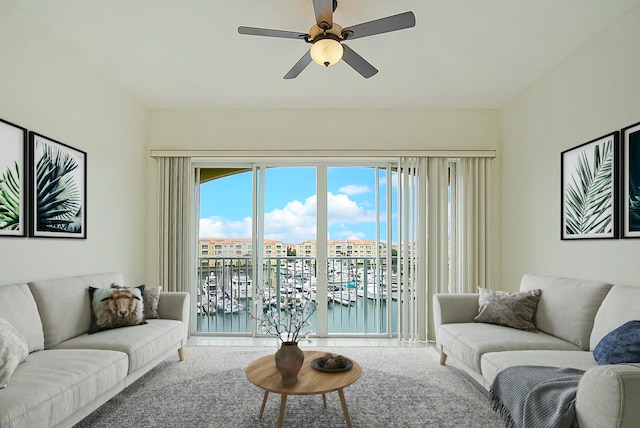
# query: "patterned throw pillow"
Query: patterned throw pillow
115,307
13,351
621,345
151,297
510,309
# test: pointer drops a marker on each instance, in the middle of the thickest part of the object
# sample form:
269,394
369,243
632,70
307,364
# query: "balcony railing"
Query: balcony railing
360,295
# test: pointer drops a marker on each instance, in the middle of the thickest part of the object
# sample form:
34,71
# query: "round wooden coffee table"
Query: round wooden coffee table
263,373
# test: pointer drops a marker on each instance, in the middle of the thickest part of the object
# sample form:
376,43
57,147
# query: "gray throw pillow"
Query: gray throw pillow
151,297
13,351
510,309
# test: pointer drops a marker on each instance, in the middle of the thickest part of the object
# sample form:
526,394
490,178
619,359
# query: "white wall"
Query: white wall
46,88
320,129
592,93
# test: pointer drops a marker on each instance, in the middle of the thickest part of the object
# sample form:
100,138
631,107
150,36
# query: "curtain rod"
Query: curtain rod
285,153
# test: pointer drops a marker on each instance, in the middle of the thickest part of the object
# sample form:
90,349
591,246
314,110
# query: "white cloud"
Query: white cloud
295,222
355,189
350,234
343,210
220,227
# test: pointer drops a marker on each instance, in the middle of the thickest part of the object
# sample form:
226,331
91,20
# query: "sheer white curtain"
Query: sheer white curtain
427,231
473,222
438,232
423,242
176,225
412,284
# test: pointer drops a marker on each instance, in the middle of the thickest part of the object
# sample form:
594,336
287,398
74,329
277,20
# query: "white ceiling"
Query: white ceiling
188,53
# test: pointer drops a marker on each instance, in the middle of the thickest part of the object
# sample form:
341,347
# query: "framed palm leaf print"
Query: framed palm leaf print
589,201
58,189
13,180
631,181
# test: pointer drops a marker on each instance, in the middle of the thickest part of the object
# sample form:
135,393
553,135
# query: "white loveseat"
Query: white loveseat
69,373
572,317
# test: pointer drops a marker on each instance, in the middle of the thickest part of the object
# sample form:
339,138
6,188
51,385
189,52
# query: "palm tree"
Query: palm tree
634,207
634,182
58,198
10,206
588,197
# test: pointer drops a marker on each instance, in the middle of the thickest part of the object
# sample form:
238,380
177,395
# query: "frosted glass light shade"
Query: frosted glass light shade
326,52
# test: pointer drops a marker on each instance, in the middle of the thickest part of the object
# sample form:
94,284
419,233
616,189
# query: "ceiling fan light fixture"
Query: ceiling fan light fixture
326,51
326,38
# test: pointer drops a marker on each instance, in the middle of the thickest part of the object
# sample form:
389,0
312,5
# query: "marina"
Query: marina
357,302
361,317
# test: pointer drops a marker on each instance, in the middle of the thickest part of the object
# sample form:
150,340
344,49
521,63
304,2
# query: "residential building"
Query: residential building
352,248
240,247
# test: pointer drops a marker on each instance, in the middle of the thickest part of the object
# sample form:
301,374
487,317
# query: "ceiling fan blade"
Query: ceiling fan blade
379,26
358,63
299,66
324,13
253,31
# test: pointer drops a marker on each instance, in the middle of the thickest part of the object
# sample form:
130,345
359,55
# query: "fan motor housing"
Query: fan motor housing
317,33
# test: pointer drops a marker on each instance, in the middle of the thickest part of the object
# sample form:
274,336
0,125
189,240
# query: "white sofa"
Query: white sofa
572,317
69,373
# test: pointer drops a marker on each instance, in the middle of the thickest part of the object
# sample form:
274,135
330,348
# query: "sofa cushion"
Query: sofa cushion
13,351
467,342
622,345
18,307
493,362
115,307
142,343
567,307
510,309
64,304
622,304
53,384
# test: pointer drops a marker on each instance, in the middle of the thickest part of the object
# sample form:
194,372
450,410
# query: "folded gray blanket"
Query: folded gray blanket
536,396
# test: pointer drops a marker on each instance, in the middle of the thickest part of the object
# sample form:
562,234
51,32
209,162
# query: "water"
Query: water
365,316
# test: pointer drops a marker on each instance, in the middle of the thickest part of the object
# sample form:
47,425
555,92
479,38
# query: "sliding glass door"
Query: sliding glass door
273,233
361,268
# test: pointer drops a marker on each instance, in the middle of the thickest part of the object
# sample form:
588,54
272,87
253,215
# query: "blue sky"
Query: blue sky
290,204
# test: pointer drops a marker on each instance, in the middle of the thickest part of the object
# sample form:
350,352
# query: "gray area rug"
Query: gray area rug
400,387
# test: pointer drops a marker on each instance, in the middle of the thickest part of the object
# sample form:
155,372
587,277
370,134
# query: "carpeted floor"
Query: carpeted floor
399,387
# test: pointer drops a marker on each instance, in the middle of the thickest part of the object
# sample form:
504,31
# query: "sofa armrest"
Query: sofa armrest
608,397
175,306
454,308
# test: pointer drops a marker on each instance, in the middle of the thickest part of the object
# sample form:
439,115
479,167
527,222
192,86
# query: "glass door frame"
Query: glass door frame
258,169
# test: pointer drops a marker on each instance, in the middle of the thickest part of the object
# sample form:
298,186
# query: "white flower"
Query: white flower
288,325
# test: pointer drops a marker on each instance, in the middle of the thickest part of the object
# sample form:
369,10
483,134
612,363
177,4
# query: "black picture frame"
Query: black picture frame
589,189
58,189
630,186
13,180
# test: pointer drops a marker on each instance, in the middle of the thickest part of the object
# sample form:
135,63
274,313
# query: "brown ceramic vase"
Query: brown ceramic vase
289,360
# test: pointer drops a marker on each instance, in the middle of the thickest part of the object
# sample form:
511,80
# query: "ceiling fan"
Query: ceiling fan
327,38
